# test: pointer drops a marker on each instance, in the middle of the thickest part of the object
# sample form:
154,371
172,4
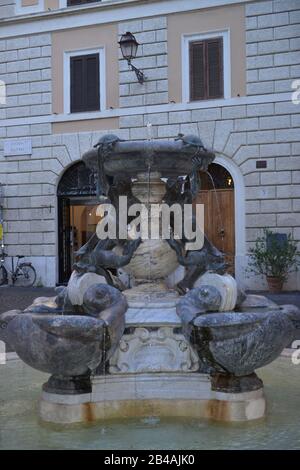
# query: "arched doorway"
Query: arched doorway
217,195
77,217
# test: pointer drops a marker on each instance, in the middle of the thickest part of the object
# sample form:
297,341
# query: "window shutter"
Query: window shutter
206,69
77,84
84,92
197,71
92,82
79,2
214,53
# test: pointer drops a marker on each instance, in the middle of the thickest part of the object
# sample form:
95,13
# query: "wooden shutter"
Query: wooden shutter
92,82
206,69
214,53
84,91
197,71
77,84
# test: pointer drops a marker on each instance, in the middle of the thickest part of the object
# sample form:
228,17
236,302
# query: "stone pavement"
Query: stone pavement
285,297
21,297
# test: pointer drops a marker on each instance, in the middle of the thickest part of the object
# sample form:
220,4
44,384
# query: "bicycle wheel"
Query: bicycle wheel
3,276
25,276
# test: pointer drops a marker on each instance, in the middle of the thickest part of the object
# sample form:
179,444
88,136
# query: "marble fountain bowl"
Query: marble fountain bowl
69,346
235,344
243,342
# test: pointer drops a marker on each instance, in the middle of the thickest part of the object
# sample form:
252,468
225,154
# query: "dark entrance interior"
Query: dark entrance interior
77,217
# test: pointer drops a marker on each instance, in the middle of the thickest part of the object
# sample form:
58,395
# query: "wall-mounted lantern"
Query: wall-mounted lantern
129,47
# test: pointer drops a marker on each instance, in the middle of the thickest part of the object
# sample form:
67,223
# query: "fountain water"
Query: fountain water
158,349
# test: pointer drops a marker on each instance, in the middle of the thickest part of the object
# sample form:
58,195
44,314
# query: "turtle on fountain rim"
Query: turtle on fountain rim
191,139
202,158
104,146
108,140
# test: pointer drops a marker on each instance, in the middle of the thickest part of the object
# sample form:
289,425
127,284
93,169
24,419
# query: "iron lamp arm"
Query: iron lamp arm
139,74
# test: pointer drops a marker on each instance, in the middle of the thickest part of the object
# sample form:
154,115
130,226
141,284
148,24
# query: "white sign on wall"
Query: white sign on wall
17,147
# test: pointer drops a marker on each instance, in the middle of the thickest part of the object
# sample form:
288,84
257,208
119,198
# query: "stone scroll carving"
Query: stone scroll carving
153,350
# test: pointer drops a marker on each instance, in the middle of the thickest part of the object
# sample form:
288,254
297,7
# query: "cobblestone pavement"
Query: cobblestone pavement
21,297
292,297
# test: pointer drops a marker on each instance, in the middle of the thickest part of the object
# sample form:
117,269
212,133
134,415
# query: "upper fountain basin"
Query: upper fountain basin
168,158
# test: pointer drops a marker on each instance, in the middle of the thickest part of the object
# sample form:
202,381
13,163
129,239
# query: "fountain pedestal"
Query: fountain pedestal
153,372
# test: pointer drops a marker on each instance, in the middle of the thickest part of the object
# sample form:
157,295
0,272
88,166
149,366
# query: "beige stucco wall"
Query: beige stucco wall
197,22
51,4
91,37
48,4
29,3
85,126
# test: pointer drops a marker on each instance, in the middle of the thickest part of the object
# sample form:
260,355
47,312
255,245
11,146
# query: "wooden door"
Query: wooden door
219,220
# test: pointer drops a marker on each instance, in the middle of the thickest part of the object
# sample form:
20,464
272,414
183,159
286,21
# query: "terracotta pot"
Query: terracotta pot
275,284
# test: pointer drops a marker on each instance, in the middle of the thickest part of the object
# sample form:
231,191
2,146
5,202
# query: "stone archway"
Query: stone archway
225,212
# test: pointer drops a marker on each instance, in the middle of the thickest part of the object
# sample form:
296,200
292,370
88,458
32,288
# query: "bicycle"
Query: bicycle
23,274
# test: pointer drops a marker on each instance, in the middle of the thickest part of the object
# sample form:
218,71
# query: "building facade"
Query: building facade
221,69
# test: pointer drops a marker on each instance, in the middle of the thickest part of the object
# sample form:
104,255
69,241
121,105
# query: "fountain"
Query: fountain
149,326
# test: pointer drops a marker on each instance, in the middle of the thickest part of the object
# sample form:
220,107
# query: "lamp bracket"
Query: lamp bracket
139,74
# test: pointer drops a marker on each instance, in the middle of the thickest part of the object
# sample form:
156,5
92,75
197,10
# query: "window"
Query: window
70,3
84,81
206,66
206,69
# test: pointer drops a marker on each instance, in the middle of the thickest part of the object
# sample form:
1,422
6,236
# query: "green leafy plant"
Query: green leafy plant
274,257
39,283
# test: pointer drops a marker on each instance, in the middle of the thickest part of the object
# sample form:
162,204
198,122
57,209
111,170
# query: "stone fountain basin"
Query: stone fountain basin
229,324
62,345
68,345
129,159
241,342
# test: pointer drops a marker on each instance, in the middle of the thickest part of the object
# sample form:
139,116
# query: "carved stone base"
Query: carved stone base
76,385
153,350
153,340
152,295
231,384
140,395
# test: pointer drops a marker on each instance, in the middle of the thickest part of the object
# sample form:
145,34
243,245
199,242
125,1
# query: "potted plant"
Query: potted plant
274,255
